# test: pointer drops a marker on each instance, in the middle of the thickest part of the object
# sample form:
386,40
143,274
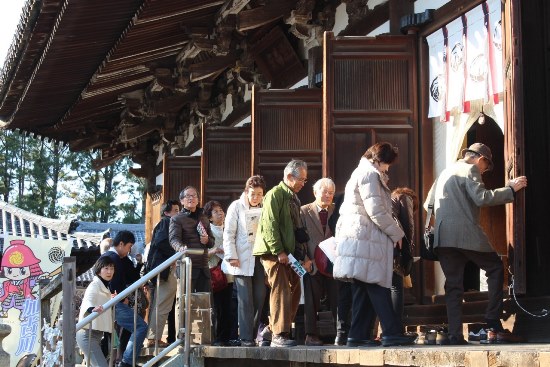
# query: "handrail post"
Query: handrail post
187,346
156,302
134,346
68,307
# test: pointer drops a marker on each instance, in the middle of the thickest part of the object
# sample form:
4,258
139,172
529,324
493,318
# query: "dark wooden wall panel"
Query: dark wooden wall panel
180,172
287,124
226,159
370,96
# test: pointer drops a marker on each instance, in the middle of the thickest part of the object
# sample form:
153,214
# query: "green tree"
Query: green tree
45,169
96,202
49,180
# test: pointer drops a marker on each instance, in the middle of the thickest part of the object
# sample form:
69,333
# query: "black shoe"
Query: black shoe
220,343
247,343
265,343
399,339
234,343
352,342
341,339
457,340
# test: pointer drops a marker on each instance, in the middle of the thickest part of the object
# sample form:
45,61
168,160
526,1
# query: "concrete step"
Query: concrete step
472,355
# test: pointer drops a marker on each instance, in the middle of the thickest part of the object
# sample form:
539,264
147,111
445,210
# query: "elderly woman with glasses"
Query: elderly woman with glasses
366,235
190,229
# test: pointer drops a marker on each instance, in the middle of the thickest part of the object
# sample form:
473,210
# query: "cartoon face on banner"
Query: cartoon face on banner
24,262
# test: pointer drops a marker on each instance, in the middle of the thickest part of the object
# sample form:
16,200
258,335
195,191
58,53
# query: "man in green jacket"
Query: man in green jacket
275,240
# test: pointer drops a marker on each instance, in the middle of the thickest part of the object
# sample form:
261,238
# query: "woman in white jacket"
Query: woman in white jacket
238,240
366,234
95,296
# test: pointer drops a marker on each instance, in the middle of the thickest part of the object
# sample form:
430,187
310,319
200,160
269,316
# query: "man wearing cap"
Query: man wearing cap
457,196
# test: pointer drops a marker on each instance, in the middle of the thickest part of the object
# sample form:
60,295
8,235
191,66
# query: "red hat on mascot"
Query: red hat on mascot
19,255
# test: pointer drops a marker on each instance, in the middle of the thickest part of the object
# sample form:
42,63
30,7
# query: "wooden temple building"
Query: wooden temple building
208,92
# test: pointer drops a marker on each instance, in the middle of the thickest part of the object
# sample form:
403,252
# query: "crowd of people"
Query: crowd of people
267,248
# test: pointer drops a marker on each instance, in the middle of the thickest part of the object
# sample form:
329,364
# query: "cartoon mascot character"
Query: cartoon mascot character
23,271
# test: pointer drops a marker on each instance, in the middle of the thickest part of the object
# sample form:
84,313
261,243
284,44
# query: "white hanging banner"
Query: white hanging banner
494,45
457,65
437,74
477,86
473,69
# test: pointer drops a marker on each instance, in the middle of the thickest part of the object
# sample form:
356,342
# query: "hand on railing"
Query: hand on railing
98,309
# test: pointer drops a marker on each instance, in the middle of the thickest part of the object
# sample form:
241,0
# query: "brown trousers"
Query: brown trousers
284,298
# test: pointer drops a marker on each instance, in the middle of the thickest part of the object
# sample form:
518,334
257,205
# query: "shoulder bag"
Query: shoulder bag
427,248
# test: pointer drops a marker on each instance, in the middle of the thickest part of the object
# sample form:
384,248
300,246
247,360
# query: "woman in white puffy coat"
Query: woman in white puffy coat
366,234
238,240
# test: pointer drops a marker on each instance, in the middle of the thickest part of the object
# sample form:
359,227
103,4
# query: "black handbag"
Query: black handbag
301,235
427,250
402,258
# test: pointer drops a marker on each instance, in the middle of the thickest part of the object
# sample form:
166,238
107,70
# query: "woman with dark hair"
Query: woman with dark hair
238,240
222,297
95,296
404,205
366,234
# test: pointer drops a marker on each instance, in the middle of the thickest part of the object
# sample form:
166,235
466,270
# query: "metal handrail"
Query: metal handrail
184,289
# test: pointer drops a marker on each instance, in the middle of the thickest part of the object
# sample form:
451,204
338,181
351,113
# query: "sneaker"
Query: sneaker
282,340
266,333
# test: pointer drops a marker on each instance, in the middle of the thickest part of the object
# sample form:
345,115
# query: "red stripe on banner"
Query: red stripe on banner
491,55
446,115
466,108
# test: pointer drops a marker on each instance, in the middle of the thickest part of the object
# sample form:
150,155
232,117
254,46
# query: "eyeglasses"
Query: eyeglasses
302,180
189,196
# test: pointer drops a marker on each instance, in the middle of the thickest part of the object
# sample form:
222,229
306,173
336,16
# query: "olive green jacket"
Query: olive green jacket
275,232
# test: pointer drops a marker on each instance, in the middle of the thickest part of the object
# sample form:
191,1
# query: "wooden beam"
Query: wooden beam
94,142
257,17
211,67
374,19
447,13
238,114
399,9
